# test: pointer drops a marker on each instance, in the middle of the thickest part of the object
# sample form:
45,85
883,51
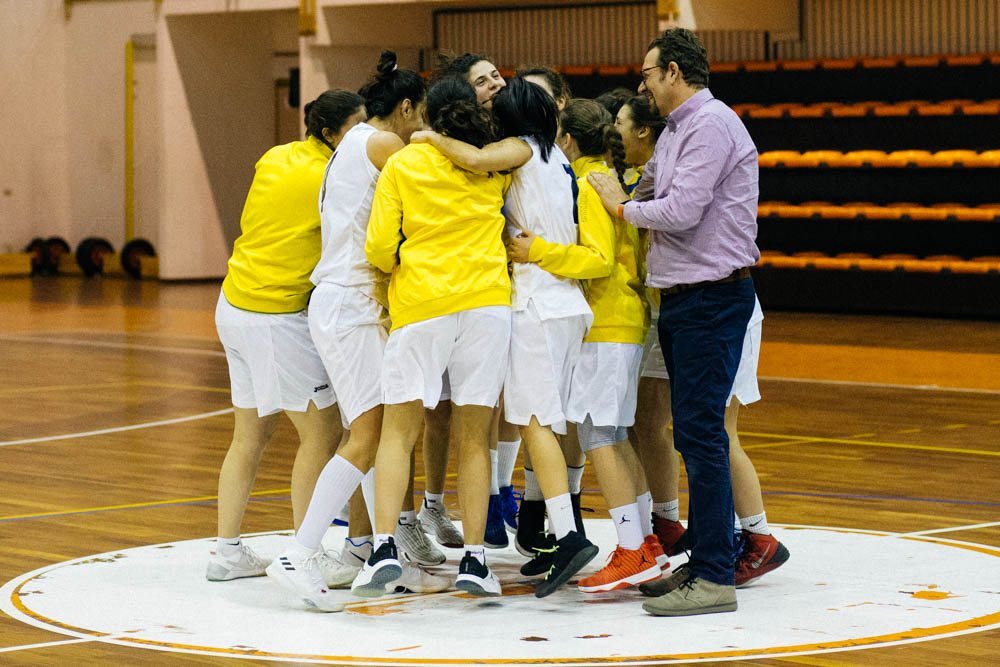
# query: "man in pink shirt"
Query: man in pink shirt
698,198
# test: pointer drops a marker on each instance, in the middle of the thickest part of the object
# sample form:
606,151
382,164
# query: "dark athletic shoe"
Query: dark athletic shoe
759,555
381,568
541,561
571,554
496,534
530,527
475,578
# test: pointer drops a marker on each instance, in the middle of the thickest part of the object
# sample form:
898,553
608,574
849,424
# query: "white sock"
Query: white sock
368,493
494,484
561,520
645,503
380,539
478,551
408,517
334,487
434,500
573,476
737,526
532,491
507,455
669,511
756,524
227,546
626,520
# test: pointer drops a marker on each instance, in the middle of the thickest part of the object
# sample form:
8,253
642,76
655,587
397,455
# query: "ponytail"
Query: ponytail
389,86
593,128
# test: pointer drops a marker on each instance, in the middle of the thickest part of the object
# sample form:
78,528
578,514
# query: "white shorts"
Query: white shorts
273,365
605,383
345,327
472,345
542,356
745,387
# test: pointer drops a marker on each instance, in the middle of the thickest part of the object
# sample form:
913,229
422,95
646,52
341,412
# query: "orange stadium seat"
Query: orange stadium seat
723,67
833,263
881,213
910,158
792,211
965,60
811,254
760,66
824,158
994,58
839,212
957,157
990,108
745,108
926,213
876,264
815,204
872,63
898,109
922,266
971,267
799,65
838,63
767,112
785,262
943,258
988,159
938,109
614,70
867,157
855,110
778,158
964,214
898,256
921,61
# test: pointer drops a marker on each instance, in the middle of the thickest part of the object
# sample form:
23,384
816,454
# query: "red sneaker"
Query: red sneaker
671,535
625,568
759,555
652,542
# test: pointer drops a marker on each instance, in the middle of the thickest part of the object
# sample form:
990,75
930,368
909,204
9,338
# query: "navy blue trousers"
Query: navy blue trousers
701,335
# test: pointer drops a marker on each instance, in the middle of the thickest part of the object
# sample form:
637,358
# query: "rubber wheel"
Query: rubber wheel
90,255
132,255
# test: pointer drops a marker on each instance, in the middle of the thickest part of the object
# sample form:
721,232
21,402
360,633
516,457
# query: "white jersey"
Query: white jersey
541,199
345,203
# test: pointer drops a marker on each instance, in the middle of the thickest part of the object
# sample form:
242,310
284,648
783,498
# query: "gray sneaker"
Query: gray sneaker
693,596
244,563
414,545
663,585
440,524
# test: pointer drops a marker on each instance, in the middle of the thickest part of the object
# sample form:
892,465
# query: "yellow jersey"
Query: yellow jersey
437,229
609,259
280,242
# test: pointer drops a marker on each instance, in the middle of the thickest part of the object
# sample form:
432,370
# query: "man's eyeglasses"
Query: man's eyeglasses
642,72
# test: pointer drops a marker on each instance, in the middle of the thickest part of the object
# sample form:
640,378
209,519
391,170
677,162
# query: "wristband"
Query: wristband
621,209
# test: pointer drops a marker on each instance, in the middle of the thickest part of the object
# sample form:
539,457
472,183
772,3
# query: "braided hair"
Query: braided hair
594,130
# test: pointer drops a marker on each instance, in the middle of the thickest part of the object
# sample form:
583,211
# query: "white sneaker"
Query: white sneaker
381,568
303,577
336,572
243,563
413,544
476,578
417,580
442,527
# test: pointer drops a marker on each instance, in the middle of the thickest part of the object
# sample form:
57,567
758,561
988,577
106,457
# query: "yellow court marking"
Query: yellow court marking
61,387
155,503
964,626
863,435
778,443
872,443
911,430
952,427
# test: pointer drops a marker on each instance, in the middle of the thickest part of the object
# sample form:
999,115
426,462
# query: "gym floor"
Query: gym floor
877,443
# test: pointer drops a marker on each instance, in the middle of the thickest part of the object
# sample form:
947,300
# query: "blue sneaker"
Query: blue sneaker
508,507
496,534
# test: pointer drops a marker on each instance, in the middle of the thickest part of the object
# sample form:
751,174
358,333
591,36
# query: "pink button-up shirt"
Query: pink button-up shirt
698,196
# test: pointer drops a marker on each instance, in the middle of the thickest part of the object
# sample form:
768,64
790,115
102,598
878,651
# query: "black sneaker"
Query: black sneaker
541,561
572,553
381,568
475,578
496,535
530,527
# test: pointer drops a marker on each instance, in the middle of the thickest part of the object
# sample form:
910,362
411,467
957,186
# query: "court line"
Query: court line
61,642
879,385
870,443
953,529
17,391
109,344
118,429
858,496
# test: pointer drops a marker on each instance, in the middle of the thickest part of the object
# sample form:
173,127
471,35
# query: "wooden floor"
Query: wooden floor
878,423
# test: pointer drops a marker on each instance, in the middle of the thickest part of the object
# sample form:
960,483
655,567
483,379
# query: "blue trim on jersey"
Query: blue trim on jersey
576,193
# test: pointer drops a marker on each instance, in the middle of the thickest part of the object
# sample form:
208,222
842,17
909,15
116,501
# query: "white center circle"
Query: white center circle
840,589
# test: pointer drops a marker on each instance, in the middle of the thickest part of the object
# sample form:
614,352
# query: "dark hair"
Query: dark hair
452,110
594,130
450,65
684,48
389,86
560,89
330,111
612,100
525,109
644,116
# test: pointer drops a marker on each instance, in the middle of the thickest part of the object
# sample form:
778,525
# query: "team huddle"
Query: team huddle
467,262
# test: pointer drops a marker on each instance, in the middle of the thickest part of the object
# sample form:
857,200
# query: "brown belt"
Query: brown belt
738,274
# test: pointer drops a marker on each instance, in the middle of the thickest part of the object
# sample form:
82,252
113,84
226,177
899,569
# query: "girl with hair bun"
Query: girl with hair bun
262,324
602,395
346,323
437,229
549,321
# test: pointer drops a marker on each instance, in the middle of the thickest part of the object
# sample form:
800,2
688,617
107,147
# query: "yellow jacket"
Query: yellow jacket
280,242
437,229
610,261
